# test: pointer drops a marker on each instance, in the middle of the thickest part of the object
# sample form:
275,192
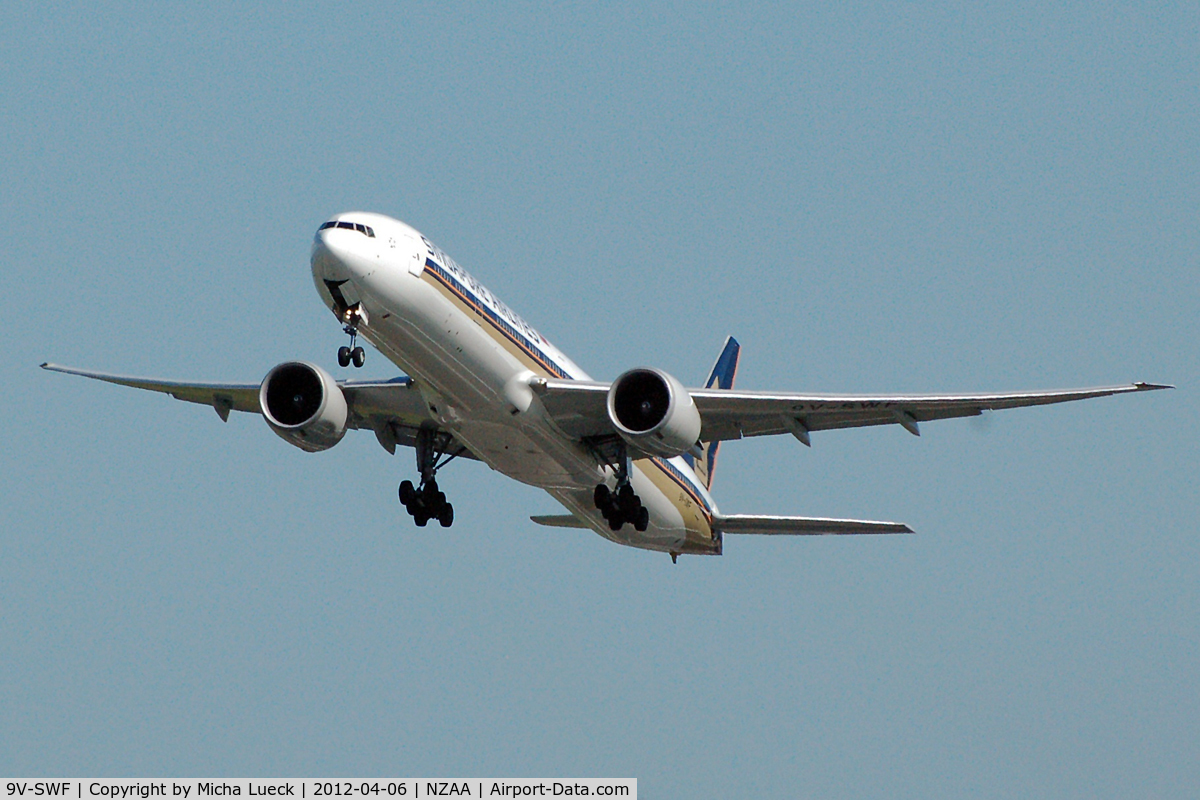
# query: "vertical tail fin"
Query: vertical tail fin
721,377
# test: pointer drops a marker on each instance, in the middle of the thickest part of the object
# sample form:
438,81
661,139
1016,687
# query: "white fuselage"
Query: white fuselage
471,358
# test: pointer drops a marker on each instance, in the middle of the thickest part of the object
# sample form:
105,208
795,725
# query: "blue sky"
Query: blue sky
871,197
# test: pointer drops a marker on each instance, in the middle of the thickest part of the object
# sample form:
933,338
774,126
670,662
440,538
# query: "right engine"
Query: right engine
304,405
653,413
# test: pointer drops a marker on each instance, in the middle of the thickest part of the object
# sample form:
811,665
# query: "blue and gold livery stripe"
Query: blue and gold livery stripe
679,478
498,322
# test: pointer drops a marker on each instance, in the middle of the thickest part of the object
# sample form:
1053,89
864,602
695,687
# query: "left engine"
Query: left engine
304,405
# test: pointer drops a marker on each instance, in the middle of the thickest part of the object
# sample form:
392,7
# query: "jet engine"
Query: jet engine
304,405
653,413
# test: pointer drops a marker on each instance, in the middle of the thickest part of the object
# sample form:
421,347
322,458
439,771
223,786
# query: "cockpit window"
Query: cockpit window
366,230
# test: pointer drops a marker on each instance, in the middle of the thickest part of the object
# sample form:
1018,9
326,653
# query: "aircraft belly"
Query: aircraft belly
507,449
454,359
462,367
675,526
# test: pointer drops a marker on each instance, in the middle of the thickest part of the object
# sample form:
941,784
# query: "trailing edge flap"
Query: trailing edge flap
803,526
559,521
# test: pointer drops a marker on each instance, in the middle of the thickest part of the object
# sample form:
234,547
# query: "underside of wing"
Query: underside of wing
802,526
393,409
224,397
579,408
733,415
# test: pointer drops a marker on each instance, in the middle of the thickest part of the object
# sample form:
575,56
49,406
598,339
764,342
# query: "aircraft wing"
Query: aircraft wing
579,408
394,409
224,397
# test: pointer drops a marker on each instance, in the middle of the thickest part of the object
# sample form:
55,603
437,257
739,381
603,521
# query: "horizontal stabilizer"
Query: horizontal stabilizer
559,521
803,526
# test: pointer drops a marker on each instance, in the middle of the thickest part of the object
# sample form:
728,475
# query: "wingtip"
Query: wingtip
1142,386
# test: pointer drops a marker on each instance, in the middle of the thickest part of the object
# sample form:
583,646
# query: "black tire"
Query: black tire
358,356
628,501
643,519
343,356
407,492
602,497
615,523
446,515
421,519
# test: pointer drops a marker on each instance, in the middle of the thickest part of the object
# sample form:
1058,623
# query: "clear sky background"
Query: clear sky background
872,198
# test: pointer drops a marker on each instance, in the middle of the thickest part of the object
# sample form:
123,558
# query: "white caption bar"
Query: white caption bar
307,788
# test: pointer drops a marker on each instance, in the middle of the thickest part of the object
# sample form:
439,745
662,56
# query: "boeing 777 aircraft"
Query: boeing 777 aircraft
632,459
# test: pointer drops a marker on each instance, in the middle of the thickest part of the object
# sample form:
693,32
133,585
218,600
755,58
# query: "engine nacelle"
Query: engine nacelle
304,405
653,413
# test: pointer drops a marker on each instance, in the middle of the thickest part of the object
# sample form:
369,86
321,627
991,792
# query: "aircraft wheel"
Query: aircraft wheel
358,356
446,515
343,356
421,519
407,492
628,501
643,519
602,497
615,522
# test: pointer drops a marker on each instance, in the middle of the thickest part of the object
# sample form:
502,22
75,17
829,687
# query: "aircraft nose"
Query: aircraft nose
337,255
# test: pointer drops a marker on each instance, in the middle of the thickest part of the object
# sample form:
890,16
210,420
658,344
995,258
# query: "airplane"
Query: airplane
632,459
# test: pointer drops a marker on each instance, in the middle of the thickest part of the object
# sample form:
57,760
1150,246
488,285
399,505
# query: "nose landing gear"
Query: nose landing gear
425,501
353,353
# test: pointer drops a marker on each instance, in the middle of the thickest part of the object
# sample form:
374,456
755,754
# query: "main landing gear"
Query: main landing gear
623,505
425,501
353,353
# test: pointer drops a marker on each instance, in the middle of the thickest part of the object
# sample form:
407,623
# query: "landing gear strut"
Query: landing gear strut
353,353
623,505
425,501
